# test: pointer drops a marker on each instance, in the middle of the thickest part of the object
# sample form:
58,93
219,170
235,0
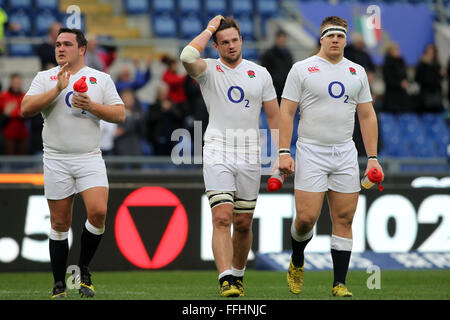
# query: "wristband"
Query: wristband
284,151
372,158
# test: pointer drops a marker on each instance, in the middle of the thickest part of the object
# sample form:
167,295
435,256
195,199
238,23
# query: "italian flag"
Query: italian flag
371,32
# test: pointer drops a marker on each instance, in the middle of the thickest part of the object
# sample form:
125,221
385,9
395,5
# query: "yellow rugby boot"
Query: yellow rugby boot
294,278
340,290
229,290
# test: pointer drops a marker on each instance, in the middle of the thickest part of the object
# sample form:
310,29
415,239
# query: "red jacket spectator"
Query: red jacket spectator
14,130
175,81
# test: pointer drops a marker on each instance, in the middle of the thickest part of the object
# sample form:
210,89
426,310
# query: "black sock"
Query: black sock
341,259
228,278
298,249
89,244
59,250
238,278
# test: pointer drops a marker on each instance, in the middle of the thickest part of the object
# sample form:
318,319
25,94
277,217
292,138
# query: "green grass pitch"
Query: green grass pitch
259,285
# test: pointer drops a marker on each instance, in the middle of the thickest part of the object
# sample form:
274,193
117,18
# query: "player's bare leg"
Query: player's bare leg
308,206
60,219
342,210
222,247
242,242
95,200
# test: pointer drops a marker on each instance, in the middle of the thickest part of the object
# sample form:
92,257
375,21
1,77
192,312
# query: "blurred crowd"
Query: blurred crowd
178,103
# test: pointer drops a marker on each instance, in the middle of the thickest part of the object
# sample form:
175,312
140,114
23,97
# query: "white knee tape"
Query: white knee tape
58,235
300,237
220,197
341,244
244,206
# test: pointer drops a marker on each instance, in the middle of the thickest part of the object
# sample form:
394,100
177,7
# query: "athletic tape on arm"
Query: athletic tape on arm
189,54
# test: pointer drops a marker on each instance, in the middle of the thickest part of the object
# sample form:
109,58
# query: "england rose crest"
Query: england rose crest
251,73
352,71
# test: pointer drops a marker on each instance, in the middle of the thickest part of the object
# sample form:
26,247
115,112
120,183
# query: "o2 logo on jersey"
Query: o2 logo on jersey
236,95
336,90
69,104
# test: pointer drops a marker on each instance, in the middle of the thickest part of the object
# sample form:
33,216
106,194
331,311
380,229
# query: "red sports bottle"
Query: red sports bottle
275,182
373,177
80,85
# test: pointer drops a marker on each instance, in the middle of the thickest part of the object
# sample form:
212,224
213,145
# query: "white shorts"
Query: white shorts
242,178
322,168
63,178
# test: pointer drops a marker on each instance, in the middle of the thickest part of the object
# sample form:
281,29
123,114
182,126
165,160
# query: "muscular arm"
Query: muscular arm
34,104
111,113
273,115
287,113
369,131
190,56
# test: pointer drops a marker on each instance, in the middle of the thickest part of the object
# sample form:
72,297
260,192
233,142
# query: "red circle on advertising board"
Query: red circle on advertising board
129,240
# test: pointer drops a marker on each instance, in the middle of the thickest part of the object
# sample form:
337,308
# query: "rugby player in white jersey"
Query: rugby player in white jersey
234,90
328,89
73,161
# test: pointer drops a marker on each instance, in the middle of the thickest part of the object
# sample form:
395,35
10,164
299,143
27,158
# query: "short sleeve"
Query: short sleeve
292,87
37,86
269,92
110,94
364,94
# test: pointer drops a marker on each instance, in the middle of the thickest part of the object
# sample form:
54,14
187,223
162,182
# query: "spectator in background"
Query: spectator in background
14,128
124,80
164,117
175,82
278,61
46,50
396,98
92,57
132,131
429,75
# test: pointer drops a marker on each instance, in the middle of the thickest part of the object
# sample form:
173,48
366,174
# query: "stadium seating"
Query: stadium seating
163,6
24,20
242,7
43,20
267,8
20,49
189,6
52,5
164,25
246,25
20,4
136,6
214,7
190,26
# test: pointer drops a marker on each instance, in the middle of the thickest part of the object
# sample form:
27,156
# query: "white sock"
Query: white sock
94,230
58,235
237,272
225,273
341,244
300,237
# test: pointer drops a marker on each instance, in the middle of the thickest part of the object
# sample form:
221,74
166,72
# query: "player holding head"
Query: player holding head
72,158
234,90
328,88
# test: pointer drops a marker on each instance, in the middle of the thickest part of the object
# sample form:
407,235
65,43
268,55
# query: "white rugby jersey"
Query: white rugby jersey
234,98
70,131
328,95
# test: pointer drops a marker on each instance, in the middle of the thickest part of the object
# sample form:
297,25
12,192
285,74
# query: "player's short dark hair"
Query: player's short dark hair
81,39
226,23
335,21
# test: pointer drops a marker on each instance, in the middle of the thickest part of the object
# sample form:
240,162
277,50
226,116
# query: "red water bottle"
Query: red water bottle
275,182
373,177
80,85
